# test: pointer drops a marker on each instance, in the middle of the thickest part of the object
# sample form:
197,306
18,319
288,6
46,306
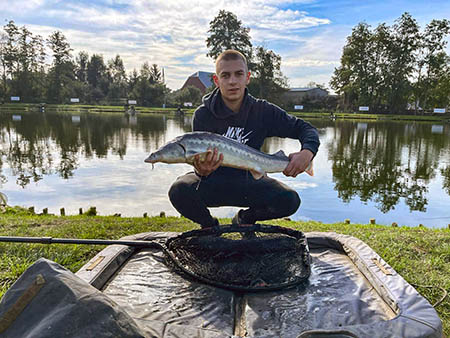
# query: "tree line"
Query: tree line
26,73
389,68
395,68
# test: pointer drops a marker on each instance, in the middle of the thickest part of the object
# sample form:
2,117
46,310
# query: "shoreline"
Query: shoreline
67,108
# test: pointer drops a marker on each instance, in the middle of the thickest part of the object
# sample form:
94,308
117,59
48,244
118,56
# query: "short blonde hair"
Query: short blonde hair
231,54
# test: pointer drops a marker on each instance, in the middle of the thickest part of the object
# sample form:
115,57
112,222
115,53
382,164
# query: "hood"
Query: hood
214,103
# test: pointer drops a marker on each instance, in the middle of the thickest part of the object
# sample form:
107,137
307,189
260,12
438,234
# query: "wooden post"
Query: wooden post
80,211
372,221
162,214
347,221
394,224
145,215
62,211
45,211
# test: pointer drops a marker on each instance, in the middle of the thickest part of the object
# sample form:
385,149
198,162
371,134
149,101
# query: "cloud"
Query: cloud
24,5
169,33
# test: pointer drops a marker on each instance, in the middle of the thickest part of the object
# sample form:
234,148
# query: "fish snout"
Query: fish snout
153,158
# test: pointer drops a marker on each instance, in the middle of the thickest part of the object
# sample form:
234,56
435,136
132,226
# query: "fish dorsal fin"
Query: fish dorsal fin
280,154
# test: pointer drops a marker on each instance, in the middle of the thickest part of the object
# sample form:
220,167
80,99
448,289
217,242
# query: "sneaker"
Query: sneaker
237,221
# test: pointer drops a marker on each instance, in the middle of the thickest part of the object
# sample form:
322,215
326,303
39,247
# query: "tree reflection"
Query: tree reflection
445,172
384,162
381,162
45,143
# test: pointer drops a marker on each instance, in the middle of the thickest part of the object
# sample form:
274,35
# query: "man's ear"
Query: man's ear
248,78
216,80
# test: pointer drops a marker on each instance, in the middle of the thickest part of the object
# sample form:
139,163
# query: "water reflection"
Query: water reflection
385,162
384,165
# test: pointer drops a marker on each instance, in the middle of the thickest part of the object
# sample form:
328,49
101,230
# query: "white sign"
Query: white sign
17,118
74,100
187,104
15,98
75,118
298,107
132,102
439,110
363,108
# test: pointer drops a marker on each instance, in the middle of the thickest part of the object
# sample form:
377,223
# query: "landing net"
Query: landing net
224,256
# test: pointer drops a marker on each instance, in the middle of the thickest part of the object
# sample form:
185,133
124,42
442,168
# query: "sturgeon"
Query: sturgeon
184,148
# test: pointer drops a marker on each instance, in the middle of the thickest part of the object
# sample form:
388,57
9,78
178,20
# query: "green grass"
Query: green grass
83,108
86,108
419,254
369,116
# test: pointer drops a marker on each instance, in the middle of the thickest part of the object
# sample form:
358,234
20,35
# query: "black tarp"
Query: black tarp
50,301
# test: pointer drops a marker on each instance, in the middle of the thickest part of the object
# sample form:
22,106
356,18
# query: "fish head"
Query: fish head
172,152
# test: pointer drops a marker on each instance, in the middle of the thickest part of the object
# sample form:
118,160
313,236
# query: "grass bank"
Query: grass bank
84,108
420,255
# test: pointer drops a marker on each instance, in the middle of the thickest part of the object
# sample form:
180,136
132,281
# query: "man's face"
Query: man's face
232,76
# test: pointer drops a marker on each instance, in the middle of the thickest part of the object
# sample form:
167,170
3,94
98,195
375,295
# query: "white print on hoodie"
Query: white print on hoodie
236,133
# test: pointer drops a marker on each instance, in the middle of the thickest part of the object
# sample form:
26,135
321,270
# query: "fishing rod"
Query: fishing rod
51,240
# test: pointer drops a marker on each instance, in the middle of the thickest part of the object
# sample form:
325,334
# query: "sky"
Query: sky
309,35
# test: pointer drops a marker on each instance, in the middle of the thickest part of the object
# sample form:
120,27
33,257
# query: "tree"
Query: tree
133,80
155,74
355,76
97,78
118,75
268,80
148,87
4,87
62,72
23,57
227,32
81,64
432,66
404,44
377,67
189,94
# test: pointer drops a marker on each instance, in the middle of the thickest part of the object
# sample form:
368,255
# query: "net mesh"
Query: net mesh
274,258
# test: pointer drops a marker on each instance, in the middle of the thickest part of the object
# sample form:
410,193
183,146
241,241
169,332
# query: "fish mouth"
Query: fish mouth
150,159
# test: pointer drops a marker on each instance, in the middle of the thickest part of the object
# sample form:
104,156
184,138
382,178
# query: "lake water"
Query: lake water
390,171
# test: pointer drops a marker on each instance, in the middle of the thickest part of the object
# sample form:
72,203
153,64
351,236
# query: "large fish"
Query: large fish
184,148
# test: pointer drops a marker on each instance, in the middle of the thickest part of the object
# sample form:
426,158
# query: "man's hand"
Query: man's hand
211,162
298,162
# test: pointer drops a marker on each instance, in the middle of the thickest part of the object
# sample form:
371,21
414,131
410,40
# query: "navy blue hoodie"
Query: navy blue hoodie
256,120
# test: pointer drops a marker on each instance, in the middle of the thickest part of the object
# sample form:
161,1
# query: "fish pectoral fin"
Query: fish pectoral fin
191,154
257,174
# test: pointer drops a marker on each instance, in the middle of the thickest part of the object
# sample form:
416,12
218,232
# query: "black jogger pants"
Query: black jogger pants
265,198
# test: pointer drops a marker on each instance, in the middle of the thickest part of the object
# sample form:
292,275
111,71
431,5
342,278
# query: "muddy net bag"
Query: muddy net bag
251,258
